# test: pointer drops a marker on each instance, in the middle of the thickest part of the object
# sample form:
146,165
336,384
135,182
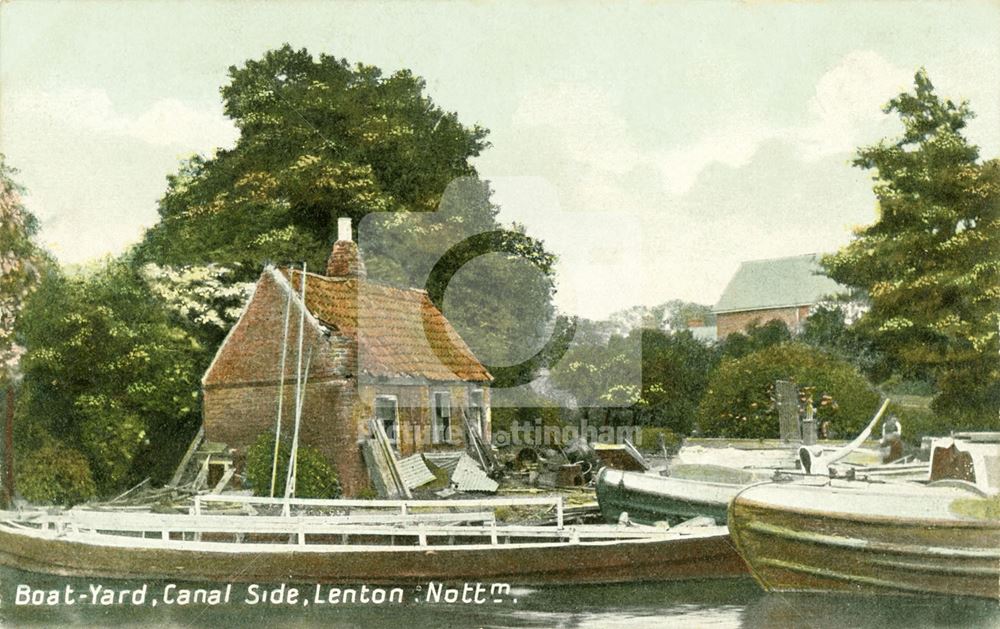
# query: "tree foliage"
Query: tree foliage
319,139
600,374
740,400
207,300
756,338
108,372
54,473
314,478
675,370
21,263
931,262
827,329
322,139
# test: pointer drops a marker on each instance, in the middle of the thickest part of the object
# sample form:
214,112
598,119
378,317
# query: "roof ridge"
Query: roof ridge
798,255
328,278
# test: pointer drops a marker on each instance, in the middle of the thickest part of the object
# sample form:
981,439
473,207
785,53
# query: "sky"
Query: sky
651,145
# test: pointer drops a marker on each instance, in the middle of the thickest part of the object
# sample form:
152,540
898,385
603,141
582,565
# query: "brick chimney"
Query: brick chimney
345,259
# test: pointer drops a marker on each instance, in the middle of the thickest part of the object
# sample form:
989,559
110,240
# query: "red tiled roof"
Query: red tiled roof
400,333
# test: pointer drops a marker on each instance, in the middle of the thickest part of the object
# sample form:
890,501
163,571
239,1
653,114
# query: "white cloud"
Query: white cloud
846,109
589,126
734,145
168,122
844,112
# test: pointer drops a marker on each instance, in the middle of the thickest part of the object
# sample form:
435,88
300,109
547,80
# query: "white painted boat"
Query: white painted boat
415,541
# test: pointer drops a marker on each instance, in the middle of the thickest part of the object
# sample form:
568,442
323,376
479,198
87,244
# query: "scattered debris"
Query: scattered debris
621,456
445,460
478,448
178,476
469,477
571,475
415,472
382,463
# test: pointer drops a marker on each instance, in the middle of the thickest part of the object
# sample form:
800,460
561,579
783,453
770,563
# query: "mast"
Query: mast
293,459
290,478
281,388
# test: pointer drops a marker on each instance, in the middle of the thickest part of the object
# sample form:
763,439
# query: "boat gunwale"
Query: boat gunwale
908,522
854,543
85,538
690,481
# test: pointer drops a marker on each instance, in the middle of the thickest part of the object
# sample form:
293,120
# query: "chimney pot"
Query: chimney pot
344,229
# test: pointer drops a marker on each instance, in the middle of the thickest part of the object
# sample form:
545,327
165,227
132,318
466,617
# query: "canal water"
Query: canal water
709,604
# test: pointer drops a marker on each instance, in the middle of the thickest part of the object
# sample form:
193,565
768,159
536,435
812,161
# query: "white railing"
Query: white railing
404,506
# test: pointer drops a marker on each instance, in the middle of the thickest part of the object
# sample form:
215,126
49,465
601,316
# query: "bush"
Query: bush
918,422
649,439
536,412
55,474
314,478
740,398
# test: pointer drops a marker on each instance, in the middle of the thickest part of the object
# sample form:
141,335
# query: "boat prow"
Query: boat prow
859,537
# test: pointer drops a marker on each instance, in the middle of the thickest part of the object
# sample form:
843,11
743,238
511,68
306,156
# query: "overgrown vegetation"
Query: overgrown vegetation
314,478
55,474
109,374
740,401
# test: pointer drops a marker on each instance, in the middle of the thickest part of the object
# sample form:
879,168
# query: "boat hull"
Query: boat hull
694,557
794,545
649,499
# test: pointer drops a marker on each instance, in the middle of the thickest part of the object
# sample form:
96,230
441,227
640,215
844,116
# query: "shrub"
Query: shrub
740,400
314,478
649,440
55,474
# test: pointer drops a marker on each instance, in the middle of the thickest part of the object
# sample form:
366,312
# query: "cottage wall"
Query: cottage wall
241,386
238,415
241,389
251,353
414,421
729,322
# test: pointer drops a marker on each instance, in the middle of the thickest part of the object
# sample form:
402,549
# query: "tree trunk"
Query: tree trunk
8,450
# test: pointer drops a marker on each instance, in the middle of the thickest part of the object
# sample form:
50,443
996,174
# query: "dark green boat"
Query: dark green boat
690,491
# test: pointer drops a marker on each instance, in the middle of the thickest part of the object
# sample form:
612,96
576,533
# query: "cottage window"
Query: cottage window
387,412
442,417
477,411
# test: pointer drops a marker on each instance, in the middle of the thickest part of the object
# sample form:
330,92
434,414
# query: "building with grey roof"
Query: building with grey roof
783,289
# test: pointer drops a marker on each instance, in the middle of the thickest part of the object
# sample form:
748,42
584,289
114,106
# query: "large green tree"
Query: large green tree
319,139
740,399
675,371
109,375
322,139
931,262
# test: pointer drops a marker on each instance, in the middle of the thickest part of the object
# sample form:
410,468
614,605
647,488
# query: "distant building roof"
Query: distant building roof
776,283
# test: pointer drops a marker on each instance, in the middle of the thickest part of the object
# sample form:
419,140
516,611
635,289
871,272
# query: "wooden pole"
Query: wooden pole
8,450
293,455
281,384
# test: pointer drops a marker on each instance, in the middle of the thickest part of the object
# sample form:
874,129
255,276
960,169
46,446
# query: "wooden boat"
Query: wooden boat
690,491
414,545
861,537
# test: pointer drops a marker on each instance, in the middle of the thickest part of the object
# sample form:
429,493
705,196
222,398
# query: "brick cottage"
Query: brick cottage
372,351
779,289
